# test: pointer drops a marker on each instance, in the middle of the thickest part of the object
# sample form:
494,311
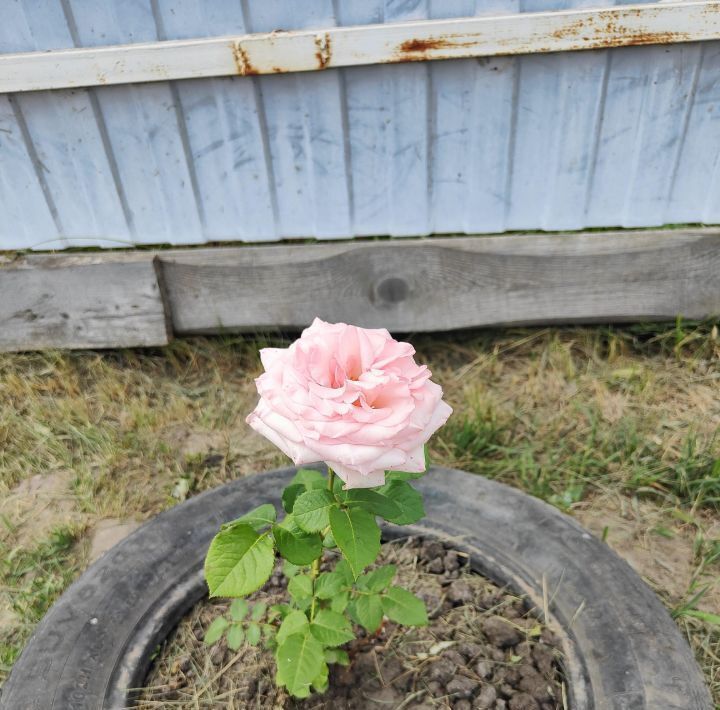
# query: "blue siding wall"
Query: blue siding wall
624,137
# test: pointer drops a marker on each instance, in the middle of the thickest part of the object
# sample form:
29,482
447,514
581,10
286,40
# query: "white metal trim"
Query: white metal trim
295,51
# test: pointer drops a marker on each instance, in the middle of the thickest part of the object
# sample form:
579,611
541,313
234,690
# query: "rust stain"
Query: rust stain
323,55
605,31
242,61
432,44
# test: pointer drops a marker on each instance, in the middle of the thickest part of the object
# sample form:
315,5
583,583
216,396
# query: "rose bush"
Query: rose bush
356,399
352,397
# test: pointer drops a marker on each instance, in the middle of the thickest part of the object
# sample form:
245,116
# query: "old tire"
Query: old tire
623,650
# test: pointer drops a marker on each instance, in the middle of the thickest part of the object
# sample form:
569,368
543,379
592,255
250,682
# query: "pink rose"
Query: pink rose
352,397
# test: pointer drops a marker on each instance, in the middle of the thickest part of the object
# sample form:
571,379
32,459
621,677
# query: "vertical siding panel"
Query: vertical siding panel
492,121
144,129
668,94
695,195
411,113
367,92
224,130
65,141
25,217
305,132
624,106
451,103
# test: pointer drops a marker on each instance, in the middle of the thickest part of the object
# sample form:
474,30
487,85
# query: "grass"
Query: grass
618,426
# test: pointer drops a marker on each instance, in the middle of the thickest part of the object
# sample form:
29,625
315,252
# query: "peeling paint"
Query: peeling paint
324,52
242,61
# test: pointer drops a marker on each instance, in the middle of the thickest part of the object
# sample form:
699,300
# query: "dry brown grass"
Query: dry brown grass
578,416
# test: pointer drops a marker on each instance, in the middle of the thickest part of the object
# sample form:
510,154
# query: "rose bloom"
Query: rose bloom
352,397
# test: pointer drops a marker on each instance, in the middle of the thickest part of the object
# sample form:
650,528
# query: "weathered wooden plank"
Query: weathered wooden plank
447,283
313,50
76,301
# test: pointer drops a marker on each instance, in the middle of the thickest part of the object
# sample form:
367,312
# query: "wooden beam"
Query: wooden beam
81,301
448,283
311,50
115,299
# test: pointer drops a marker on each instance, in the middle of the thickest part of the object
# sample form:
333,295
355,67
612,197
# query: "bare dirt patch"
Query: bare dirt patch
483,649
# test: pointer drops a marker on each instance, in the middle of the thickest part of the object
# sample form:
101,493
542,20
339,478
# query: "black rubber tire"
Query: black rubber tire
623,650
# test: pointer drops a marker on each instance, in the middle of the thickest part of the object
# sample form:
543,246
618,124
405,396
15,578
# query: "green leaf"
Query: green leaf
300,661
328,584
329,540
369,611
260,517
378,579
331,628
343,569
374,502
290,495
339,602
235,637
311,509
293,623
289,569
402,476
300,549
258,611
253,634
238,609
239,561
404,608
407,499
300,587
215,630
337,655
357,535
320,684
310,478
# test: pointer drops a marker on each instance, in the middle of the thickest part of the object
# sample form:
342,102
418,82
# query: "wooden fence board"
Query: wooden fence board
76,302
115,299
448,283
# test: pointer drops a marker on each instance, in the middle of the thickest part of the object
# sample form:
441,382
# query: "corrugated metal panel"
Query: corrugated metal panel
622,137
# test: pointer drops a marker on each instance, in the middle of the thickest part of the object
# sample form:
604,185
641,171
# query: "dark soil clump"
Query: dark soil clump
483,650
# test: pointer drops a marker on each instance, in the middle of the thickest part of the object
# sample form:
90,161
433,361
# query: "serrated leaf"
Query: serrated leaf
374,502
258,611
300,660
329,540
239,561
235,637
340,601
407,499
300,587
328,584
290,494
310,478
300,549
337,655
253,634
215,630
331,628
403,607
357,535
378,579
311,509
260,517
238,609
368,611
293,623
343,569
